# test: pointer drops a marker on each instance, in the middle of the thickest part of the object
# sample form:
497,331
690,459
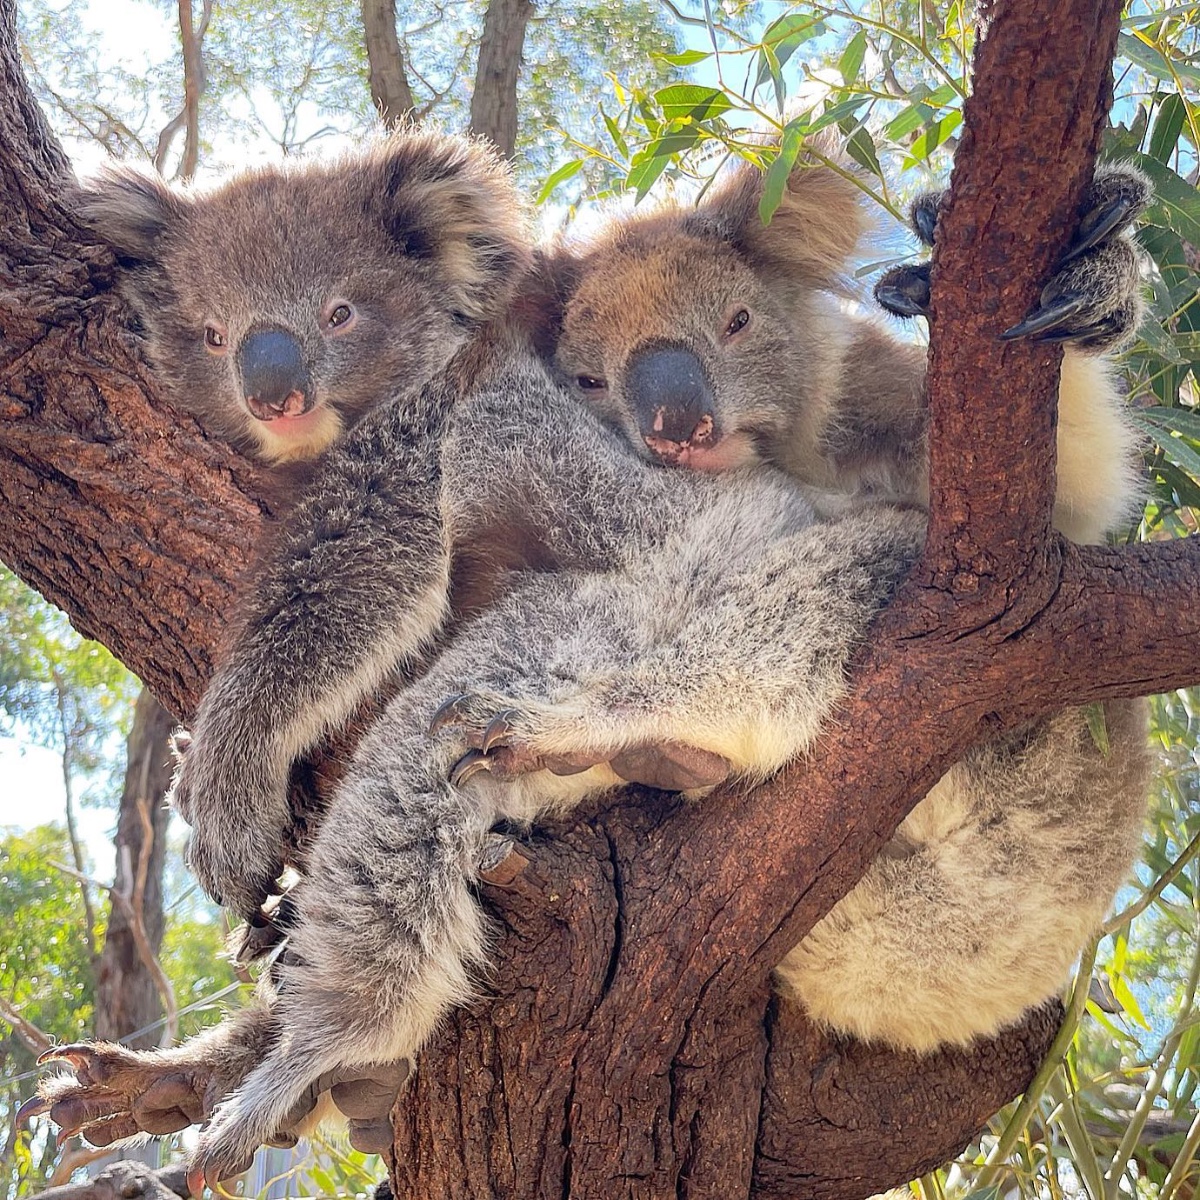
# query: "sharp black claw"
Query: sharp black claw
498,729
924,216
36,1107
904,291
469,765
447,713
1045,318
1098,224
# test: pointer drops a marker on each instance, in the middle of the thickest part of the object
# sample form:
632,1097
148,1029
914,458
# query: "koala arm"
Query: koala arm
357,583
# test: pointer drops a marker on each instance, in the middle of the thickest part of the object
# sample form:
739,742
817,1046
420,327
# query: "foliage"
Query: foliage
57,689
279,82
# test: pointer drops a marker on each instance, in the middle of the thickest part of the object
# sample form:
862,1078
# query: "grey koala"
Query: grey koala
275,306
629,642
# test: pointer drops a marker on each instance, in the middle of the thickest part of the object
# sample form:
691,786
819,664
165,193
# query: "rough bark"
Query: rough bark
631,1048
494,100
128,987
390,93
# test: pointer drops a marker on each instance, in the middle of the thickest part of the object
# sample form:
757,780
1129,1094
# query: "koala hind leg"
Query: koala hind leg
976,909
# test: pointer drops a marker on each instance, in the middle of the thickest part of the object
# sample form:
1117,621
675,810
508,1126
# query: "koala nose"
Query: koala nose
671,397
275,381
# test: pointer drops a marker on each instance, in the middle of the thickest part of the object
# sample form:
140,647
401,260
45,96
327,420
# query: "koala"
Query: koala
616,643
714,342
282,306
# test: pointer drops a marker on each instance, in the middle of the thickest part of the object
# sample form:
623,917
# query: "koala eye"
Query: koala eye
590,383
216,340
340,317
737,322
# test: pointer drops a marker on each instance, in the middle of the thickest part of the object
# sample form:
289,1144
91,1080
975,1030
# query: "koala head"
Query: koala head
284,304
705,336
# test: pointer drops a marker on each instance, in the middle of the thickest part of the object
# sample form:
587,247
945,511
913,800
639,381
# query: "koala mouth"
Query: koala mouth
294,404
706,449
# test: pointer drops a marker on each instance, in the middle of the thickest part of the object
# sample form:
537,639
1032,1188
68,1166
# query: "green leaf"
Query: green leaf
769,67
645,172
1178,449
1167,126
1094,715
850,64
935,134
1151,59
775,180
1185,421
684,100
688,58
861,147
1128,1002
910,119
838,112
566,171
793,27
614,132
1177,204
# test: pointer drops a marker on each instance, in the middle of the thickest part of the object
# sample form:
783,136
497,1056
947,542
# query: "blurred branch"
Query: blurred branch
188,118
34,1040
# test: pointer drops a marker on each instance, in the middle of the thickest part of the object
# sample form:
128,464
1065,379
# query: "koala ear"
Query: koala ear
130,210
452,201
538,307
813,232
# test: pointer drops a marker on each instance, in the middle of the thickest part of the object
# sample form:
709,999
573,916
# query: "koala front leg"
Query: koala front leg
387,935
356,584
694,666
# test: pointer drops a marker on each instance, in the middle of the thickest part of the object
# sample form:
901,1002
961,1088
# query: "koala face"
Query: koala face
282,306
675,340
705,337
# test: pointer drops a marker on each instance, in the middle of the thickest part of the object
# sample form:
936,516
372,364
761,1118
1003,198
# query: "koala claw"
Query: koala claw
468,766
451,710
1045,319
904,291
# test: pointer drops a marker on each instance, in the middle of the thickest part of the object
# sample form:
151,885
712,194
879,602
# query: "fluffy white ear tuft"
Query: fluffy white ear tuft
814,231
130,210
452,200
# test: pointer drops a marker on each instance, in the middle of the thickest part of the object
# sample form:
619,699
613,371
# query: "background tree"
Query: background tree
681,1108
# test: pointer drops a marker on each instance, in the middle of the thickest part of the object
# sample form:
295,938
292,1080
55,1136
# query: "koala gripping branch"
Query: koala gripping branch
630,1048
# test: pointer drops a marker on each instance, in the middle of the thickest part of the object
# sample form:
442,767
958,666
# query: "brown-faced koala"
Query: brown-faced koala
719,630
713,342
280,307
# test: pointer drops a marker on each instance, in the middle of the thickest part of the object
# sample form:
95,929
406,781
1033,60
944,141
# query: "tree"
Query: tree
660,1066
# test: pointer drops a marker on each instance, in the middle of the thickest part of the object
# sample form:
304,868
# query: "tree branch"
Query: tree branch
390,92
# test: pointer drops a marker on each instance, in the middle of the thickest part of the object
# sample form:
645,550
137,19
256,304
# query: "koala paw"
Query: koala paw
1093,301
114,1093
506,741
500,735
364,1095
239,822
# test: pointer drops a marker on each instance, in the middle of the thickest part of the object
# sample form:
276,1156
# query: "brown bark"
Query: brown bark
631,1048
390,93
128,985
494,100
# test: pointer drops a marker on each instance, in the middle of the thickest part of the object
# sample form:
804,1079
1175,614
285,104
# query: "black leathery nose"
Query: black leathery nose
271,364
670,392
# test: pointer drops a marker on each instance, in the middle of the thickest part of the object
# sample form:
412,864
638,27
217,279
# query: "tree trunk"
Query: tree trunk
494,101
390,93
631,1048
128,996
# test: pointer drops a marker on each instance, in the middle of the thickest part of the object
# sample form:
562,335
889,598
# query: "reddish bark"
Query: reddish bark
631,1048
